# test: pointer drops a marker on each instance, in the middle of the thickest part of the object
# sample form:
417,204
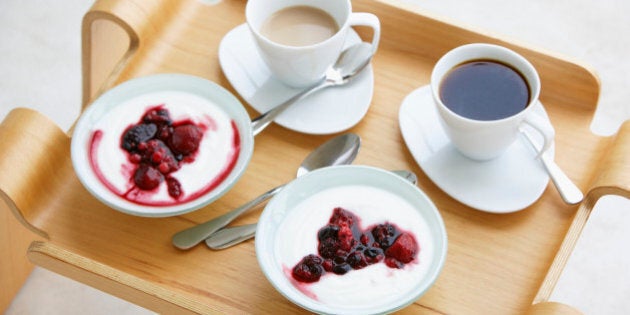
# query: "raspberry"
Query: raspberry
157,153
345,238
185,138
404,249
164,133
157,157
135,158
309,269
147,177
164,168
342,217
136,134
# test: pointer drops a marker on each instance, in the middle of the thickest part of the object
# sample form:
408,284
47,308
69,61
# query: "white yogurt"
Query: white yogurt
375,284
215,151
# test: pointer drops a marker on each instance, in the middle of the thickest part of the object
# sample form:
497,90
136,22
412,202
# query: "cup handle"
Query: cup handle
370,20
544,127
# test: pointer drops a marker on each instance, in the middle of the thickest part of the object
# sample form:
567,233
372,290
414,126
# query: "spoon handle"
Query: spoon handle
228,237
261,122
569,192
190,237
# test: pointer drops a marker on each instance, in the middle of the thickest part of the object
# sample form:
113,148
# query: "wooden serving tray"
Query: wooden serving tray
496,264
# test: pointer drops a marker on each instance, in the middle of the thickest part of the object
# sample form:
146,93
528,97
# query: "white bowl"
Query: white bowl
359,189
149,89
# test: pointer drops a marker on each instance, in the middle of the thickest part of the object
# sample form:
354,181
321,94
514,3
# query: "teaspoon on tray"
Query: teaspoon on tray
340,150
230,236
350,63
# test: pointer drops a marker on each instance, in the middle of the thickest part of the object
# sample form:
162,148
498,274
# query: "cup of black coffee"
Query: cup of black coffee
484,94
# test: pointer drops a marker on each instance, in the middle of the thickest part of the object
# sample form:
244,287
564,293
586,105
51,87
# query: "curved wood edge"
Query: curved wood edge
614,175
113,32
558,72
108,43
17,213
551,308
613,178
15,267
113,281
33,154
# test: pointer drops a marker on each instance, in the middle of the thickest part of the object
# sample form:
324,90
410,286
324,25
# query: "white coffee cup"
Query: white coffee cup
487,139
301,66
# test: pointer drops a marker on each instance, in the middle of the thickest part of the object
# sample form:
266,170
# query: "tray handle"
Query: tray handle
109,34
612,178
145,293
614,175
34,151
34,158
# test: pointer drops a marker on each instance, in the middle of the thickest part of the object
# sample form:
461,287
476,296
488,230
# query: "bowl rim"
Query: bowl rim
270,215
139,86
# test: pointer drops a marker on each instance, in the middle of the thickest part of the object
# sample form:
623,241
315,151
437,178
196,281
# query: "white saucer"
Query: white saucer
328,111
509,183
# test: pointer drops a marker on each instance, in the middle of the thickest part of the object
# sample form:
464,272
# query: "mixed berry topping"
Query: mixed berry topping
344,246
156,147
159,146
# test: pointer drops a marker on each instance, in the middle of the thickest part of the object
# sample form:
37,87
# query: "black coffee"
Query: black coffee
484,90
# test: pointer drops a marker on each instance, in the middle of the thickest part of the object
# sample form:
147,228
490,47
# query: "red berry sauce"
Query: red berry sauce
156,147
344,246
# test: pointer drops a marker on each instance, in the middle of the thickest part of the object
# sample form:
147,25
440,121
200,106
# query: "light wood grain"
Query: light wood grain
612,179
15,230
496,264
106,48
105,278
15,267
552,308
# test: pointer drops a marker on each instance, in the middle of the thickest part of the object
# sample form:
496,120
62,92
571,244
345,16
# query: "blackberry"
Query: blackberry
136,134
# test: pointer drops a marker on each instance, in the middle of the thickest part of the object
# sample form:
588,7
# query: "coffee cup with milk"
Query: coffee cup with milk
300,39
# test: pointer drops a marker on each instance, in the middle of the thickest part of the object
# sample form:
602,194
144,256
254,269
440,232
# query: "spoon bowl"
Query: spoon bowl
340,150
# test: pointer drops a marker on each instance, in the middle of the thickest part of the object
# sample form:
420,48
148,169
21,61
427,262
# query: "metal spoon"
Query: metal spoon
569,192
231,236
337,151
350,63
